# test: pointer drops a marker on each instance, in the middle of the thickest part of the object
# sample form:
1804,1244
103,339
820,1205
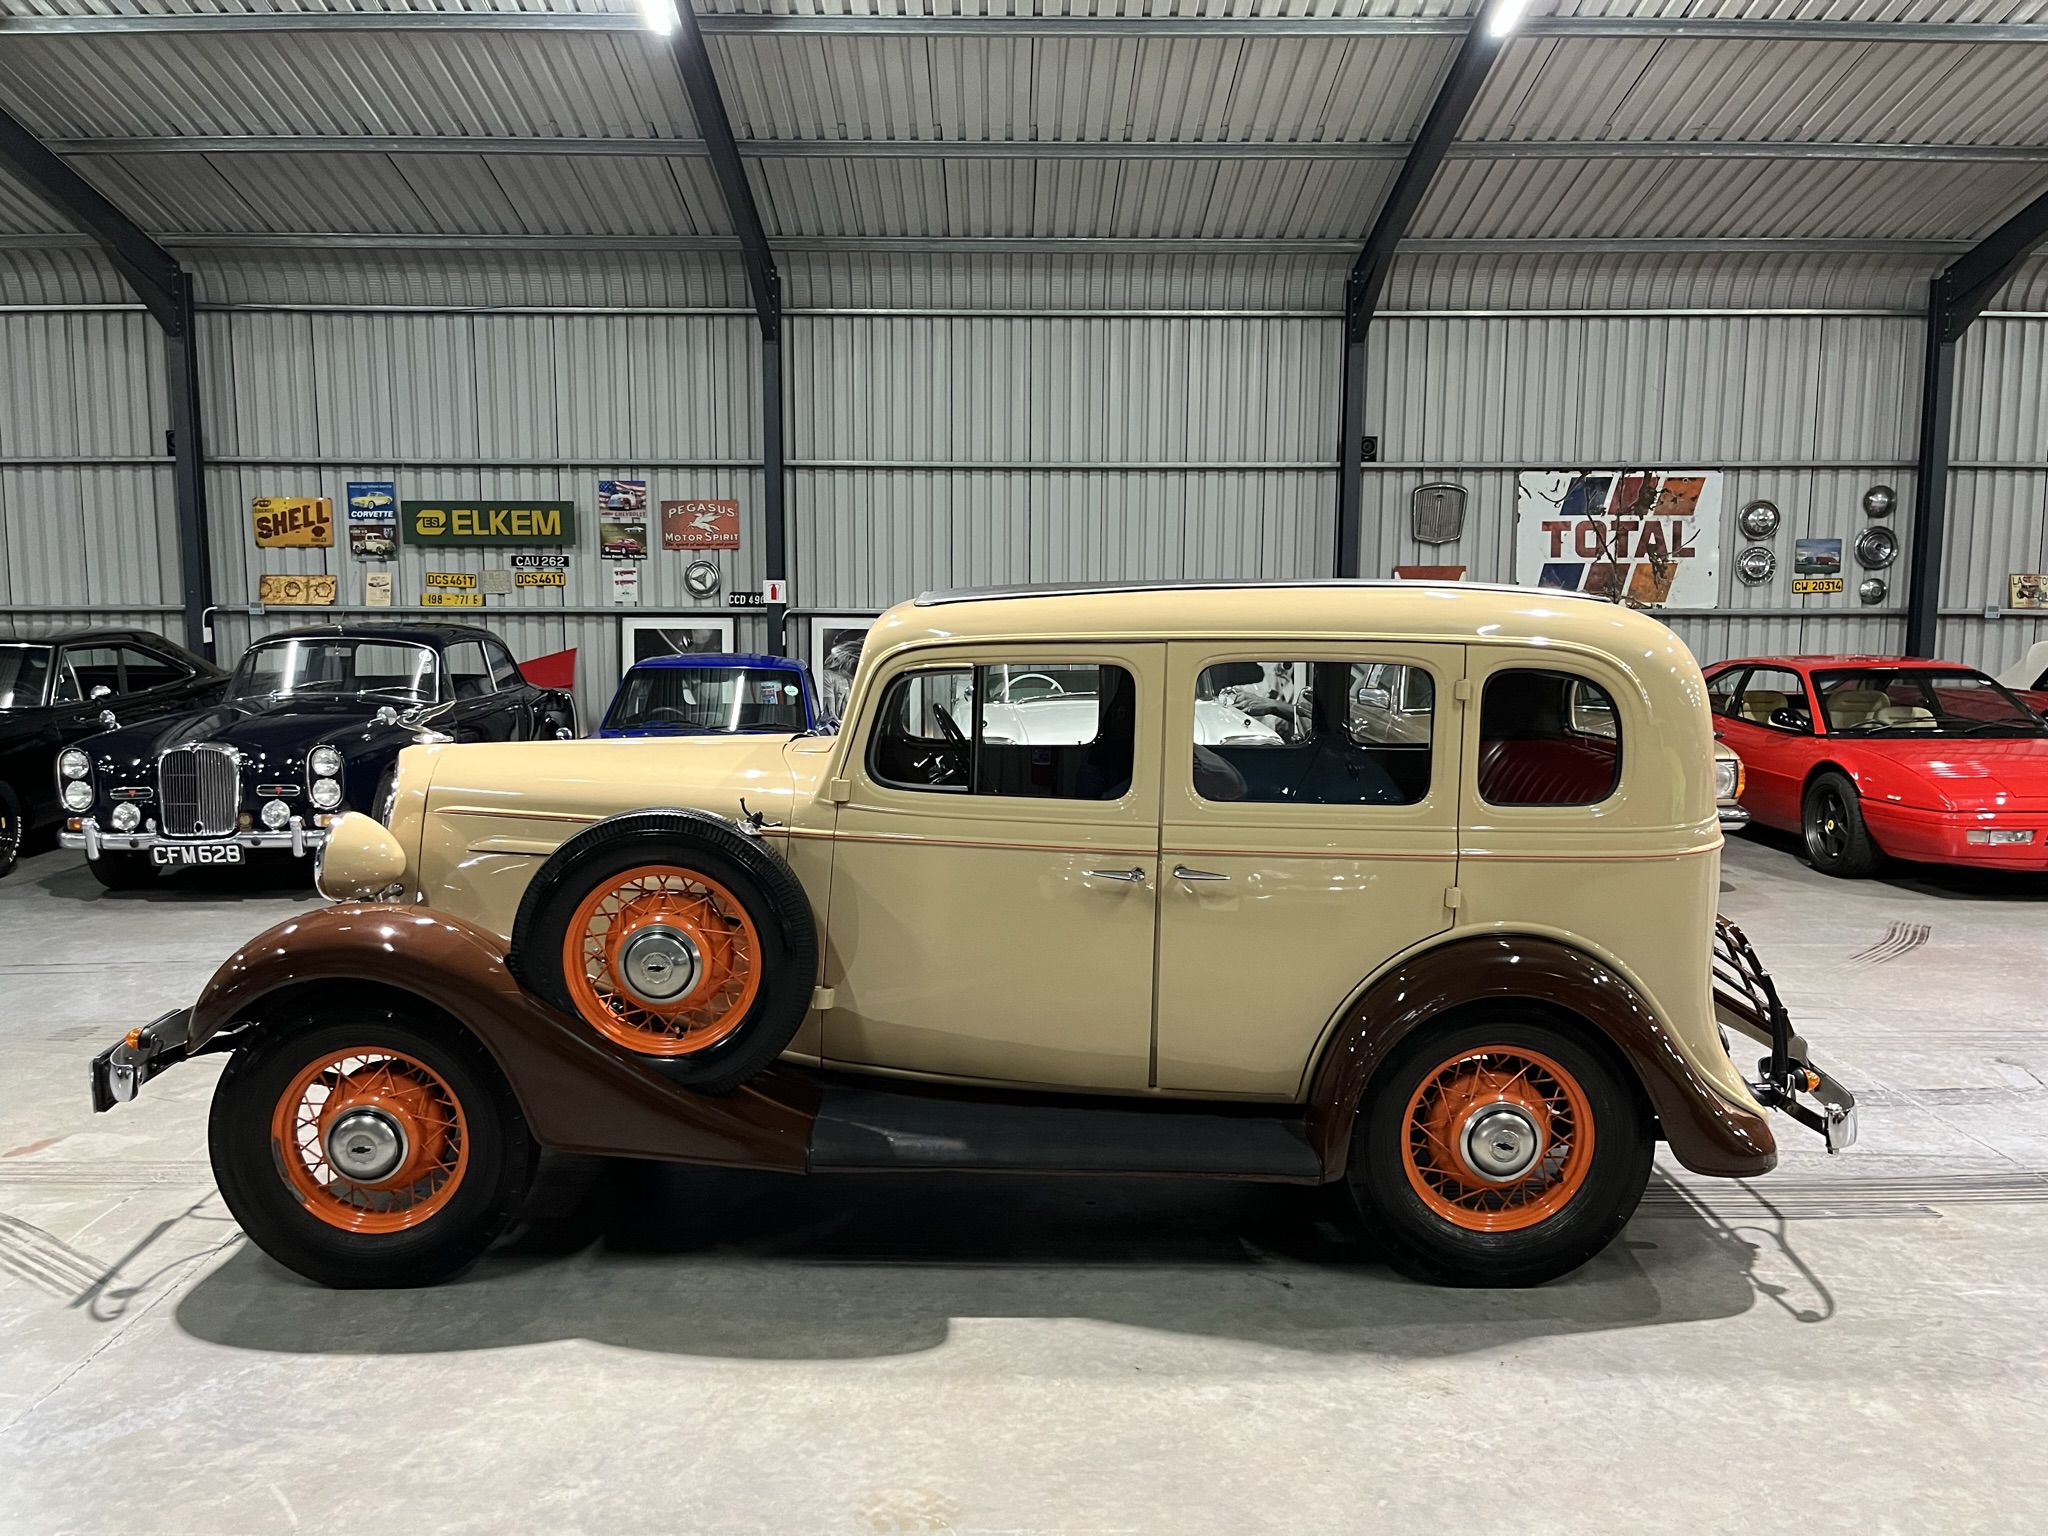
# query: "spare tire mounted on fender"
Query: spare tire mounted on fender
676,935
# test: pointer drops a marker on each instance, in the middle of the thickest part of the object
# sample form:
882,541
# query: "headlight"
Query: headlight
276,814
77,796
126,817
73,764
326,793
1727,778
325,763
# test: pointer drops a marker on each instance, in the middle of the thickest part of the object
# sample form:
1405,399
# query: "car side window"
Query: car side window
1314,732
88,669
143,670
1722,689
504,670
1547,738
1776,699
469,674
1052,731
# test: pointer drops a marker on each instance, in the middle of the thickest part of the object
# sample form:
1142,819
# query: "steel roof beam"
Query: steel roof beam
1044,149
731,25
1459,88
1954,301
685,44
165,289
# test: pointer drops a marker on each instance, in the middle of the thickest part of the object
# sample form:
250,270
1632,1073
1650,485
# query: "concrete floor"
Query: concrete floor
1853,1343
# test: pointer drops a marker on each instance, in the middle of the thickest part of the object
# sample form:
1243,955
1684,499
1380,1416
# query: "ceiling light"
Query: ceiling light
1505,16
660,16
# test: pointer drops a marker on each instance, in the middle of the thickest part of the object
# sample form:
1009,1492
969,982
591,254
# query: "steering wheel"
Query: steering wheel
1053,688
661,713
950,726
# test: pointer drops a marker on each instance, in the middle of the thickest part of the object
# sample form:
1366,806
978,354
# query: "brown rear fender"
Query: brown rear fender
578,1092
1705,1132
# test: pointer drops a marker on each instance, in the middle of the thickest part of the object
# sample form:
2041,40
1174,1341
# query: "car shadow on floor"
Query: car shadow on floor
1947,882
760,1266
267,875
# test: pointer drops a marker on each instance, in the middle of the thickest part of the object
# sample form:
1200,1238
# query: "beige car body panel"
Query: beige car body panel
964,938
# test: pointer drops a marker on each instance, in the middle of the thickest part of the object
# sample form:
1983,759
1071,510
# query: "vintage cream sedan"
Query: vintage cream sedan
1437,923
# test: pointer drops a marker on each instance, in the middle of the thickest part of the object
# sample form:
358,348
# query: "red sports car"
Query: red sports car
1868,756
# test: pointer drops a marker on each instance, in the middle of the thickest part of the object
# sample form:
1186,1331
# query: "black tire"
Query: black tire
692,842
13,830
1593,1204
1831,820
124,871
249,1163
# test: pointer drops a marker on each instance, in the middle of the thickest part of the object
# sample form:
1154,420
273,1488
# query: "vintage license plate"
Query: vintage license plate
165,854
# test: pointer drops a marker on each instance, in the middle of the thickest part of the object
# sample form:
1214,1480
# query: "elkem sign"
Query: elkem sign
440,522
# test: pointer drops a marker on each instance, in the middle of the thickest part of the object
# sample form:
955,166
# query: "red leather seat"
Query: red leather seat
1574,772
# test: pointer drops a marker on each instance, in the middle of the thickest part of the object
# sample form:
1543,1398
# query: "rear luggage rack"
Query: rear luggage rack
1746,999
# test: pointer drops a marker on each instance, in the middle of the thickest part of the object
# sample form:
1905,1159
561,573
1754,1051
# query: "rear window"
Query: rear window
1547,738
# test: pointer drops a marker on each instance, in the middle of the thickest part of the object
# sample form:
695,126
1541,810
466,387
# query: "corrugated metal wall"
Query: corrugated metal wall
968,420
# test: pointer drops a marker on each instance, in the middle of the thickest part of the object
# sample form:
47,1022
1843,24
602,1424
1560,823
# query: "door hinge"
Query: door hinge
823,998
1461,690
1452,897
839,791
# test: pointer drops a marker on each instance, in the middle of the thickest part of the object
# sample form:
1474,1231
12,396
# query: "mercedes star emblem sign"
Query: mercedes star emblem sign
700,578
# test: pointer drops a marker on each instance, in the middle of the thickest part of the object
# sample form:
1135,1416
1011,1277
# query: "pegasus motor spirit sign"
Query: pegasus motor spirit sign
1648,537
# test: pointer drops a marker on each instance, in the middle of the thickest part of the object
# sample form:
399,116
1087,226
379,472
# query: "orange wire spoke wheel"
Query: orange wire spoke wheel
369,1140
662,960
1498,1139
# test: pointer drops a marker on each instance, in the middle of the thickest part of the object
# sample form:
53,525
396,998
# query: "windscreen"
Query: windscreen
389,671
24,673
1921,701
656,701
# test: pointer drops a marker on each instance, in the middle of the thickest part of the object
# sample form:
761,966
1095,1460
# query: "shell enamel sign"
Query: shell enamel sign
293,522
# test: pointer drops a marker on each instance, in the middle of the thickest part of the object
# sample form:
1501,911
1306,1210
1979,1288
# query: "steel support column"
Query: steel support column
1368,278
165,289
1954,301
693,63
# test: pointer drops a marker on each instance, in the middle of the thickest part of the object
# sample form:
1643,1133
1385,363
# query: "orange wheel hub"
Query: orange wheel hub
664,961
370,1140
1498,1139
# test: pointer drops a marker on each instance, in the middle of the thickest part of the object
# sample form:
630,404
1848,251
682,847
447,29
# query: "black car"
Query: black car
58,689
311,726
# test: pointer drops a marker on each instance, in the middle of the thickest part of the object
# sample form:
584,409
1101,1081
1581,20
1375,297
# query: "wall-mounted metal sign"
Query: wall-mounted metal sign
448,523
293,522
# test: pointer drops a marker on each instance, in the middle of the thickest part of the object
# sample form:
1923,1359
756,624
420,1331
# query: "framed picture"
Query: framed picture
836,640
677,635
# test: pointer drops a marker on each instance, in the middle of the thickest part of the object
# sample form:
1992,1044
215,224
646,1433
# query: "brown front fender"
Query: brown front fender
1705,1132
578,1093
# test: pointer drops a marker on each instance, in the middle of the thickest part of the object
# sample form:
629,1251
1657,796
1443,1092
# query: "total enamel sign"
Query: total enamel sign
1648,537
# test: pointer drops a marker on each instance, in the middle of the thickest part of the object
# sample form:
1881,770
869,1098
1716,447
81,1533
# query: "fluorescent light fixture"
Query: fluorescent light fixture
660,16
1505,16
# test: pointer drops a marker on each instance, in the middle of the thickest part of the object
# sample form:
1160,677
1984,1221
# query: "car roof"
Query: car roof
418,634
74,636
1830,663
721,659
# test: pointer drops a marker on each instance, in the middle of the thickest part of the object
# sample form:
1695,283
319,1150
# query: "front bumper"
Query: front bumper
1746,1000
119,1071
298,839
1943,837
1733,817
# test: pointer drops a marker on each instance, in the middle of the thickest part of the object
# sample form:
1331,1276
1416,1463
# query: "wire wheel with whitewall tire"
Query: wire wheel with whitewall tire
122,871
1837,840
12,830
676,936
1503,1150
369,1146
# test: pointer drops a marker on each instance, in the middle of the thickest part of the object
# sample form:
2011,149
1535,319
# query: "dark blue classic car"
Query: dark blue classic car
311,726
715,694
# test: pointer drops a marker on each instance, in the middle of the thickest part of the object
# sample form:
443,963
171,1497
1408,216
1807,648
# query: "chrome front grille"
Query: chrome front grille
199,792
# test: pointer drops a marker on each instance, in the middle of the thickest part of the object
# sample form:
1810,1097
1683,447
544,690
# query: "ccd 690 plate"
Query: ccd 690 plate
177,855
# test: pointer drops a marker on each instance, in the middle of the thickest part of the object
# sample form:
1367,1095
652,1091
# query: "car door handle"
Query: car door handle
1129,876
1182,872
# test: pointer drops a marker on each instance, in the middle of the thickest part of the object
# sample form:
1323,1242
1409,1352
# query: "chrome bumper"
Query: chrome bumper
119,1071
1733,818
298,838
1746,1001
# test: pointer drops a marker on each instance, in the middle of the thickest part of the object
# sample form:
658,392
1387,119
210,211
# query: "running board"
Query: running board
868,1130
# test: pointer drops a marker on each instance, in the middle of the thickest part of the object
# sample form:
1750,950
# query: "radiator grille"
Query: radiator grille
199,792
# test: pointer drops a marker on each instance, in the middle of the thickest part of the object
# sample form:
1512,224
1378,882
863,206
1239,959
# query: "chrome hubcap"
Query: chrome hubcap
659,964
365,1145
1501,1143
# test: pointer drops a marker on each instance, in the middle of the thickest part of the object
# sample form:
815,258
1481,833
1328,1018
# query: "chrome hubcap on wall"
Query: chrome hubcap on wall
1501,1143
365,1145
659,964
